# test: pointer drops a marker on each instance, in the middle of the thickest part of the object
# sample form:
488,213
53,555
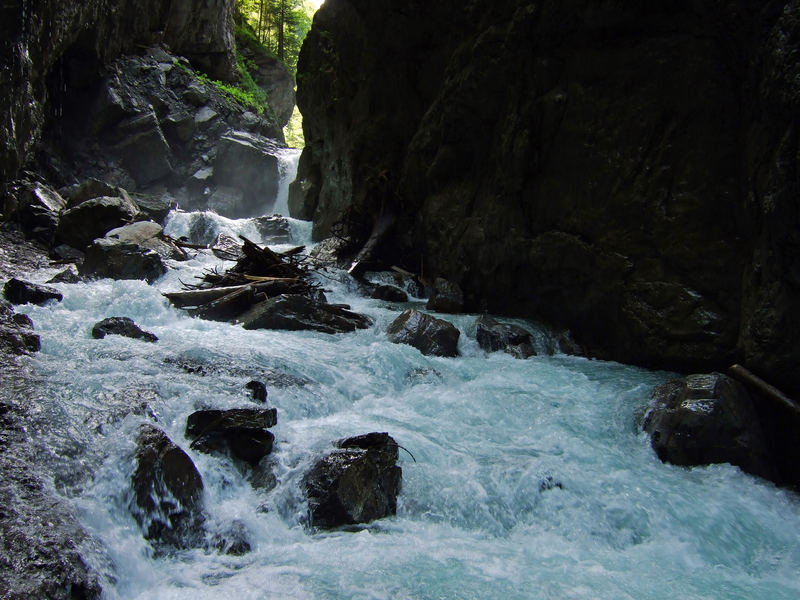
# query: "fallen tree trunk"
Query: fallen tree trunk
762,387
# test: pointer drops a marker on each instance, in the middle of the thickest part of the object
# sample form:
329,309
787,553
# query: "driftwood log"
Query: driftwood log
259,274
757,384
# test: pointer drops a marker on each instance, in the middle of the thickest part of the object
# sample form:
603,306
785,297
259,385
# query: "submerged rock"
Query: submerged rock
168,491
357,483
513,339
706,419
233,540
123,326
18,291
295,312
427,334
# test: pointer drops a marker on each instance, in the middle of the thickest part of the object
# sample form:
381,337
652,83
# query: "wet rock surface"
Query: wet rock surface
427,334
18,291
706,419
493,336
123,326
168,491
45,552
295,312
357,483
203,421
390,293
16,332
113,258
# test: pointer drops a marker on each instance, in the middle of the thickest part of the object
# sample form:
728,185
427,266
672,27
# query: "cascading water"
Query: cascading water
287,167
532,478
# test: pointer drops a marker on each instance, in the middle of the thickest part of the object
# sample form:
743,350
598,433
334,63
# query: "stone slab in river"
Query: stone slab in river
168,491
357,483
427,334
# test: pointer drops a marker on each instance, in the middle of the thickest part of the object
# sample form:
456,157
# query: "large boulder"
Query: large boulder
427,334
168,491
16,332
513,339
18,291
94,218
706,419
357,483
123,326
116,259
86,190
147,234
245,163
241,432
294,312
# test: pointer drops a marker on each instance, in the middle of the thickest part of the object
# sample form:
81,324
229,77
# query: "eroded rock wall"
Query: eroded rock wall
623,169
44,41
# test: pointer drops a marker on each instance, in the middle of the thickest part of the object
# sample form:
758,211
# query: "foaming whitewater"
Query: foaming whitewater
287,167
532,478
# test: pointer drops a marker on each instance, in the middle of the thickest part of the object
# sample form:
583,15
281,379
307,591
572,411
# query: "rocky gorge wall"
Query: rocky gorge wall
46,42
624,170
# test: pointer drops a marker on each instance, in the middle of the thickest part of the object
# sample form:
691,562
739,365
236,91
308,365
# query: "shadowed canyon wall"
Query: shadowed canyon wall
51,47
627,170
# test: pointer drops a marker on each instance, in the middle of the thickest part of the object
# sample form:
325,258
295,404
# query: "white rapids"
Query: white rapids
532,478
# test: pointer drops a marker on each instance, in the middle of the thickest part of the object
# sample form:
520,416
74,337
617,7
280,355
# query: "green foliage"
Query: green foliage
247,93
293,132
279,26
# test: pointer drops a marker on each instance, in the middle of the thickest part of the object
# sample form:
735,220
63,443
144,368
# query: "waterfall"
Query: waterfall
287,167
532,478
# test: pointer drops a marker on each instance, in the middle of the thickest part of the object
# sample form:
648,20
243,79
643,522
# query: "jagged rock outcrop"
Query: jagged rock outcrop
625,170
52,51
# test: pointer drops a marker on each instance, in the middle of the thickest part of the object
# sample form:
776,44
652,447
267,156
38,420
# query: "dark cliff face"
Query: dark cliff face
623,169
52,49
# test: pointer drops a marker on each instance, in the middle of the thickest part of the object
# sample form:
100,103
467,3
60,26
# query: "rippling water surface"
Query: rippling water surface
531,478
